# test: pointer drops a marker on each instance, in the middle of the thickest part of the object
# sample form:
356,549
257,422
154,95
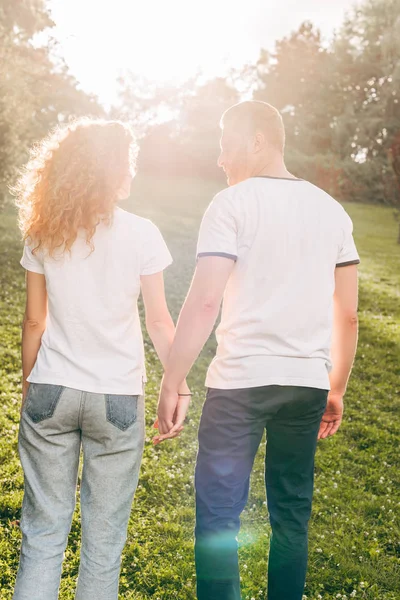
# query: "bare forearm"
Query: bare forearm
162,335
194,327
31,339
343,350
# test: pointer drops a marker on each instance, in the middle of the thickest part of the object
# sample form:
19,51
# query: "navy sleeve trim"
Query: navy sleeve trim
223,254
348,263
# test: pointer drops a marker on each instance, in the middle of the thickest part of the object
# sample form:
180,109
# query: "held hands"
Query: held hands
171,413
332,417
173,406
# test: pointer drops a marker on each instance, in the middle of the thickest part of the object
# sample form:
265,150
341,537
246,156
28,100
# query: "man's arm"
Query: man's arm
195,324
34,324
344,345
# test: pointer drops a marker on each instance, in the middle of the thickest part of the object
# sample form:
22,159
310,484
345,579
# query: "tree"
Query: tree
20,20
371,37
36,90
200,116
301,78
179,126
290,79
341,103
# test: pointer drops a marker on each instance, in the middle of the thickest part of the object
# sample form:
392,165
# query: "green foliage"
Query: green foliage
355,534
36,90
24,18
289,79
188,141
340,103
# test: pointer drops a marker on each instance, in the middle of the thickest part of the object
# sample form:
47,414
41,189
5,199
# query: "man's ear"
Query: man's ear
259,142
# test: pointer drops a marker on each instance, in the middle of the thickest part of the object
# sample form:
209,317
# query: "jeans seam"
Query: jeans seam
82,402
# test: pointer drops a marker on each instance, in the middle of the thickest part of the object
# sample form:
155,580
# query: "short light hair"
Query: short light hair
252,116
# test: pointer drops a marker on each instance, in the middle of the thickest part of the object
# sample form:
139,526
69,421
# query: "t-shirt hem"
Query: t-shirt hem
220,254
322,384
157,269
28,267
132,390
348,262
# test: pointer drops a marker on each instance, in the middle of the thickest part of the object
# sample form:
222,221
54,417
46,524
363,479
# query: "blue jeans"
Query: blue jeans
56,422
231,428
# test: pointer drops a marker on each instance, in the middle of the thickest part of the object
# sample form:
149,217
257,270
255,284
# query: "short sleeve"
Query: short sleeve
32,262
218,230
155,254
348,254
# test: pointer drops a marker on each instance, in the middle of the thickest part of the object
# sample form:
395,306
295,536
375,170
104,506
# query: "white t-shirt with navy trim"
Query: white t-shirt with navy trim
93,339
286,237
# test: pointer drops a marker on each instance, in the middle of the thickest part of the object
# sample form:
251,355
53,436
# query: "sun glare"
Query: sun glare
172,40
163,41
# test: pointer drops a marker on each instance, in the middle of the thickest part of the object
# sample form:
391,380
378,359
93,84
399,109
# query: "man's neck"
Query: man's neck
275,168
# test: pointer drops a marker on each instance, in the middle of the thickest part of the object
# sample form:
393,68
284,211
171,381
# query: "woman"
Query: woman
82,352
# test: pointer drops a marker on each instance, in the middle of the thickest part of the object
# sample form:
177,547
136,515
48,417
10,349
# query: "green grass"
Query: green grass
354,536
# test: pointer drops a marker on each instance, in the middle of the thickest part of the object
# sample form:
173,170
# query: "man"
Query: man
280,252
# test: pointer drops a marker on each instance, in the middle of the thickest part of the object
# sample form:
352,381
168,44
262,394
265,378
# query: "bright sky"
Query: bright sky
169,40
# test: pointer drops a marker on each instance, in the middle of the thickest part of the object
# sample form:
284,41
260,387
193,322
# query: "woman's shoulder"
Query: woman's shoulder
124,218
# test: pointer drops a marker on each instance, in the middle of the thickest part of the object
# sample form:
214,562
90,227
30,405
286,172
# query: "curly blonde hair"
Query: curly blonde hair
72,181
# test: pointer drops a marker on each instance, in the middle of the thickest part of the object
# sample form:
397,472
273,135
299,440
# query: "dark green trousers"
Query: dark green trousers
231,429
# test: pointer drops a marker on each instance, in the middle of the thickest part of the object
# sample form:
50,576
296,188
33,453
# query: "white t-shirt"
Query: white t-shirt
93,340
287,237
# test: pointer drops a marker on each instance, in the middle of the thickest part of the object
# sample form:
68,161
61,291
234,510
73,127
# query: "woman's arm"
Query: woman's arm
159,323
34,324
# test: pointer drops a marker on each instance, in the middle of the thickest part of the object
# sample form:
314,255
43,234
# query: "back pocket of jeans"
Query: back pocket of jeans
41,400
121,410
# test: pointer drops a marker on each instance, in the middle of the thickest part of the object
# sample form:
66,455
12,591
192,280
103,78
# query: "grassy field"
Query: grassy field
355,529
